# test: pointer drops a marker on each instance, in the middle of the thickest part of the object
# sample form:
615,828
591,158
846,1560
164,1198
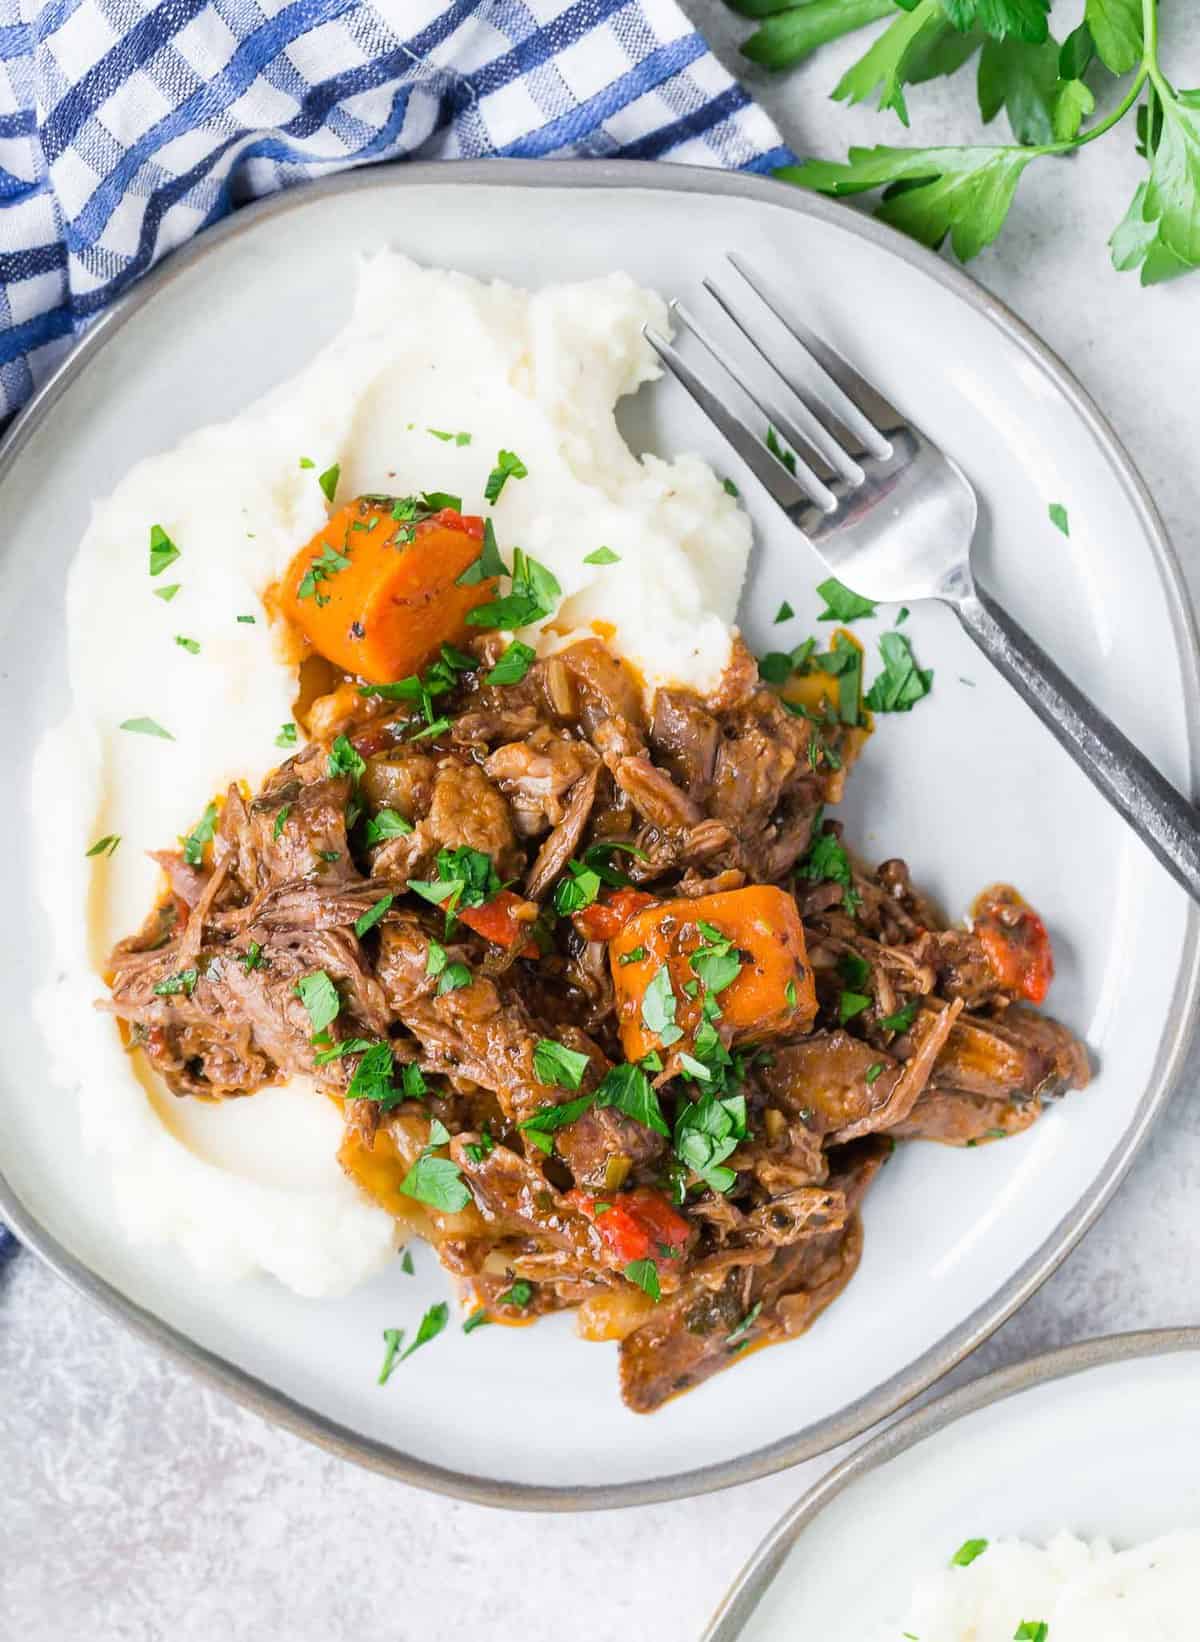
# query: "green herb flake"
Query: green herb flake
319,996
658,1009
1059,519
738,1336
967,1552
851,1004
184,980
288,736
201,834
520,1294
535,593
554,1063
730,489
147,726
438,1182
435,958
780,451
644,1273
902,683
629,1089
602,555
784,613
372,916
406,1264
488,565
163,551
874,1071
385,824
392,1337
281,821
902,1019
328,481
453,978
458,438
345,759
508,466
477,1319
841,604
105,845
633,956
166,594
1031,1630
247,621
192,646
512,665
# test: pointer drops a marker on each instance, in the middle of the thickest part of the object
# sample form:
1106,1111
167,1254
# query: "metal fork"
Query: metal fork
893,517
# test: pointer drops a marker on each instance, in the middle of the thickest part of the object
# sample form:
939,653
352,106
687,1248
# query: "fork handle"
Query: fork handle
1167,822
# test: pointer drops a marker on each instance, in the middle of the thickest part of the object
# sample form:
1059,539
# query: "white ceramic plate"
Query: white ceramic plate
969,788
1099,1439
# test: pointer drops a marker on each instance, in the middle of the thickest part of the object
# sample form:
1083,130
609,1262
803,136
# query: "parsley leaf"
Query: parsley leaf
602,555
1023,80
373,1077
967,1552
392,1337
894,58
840,603
826,860
707,1131
902,1019
163,552
851,1004
201,834
385,824
147,726
192,646
319,996
105,845
555,1063
576,890
1031,1630
454,978
328,481
629,1089
784,613
1024,19
512,665
430,1326
1161,231
535,592
345,759
902,683
1116,28
281,820
738,1335
477,1319
549,1118
326,564
658,1009
645,1274
520,1294
488,564
372,916
458,438
184,980
166,594
437,1181
1059,519
508,466
780,451
288,736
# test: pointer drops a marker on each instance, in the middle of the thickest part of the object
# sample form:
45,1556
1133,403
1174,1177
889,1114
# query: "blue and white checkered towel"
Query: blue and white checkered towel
125,126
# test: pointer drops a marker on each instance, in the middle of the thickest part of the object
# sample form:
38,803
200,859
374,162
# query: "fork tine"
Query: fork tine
786,488
829,442
792,432
750,446
871,412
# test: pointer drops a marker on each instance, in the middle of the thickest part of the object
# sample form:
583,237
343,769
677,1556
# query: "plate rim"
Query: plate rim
850,1422
759,1570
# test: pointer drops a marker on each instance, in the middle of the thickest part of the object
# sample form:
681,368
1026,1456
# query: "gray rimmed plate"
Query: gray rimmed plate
1098,1439
968,788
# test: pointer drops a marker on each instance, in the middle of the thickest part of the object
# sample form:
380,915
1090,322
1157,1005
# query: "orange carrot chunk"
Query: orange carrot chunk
771,993
377,596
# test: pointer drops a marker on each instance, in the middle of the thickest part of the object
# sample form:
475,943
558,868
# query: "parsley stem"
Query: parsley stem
1118,113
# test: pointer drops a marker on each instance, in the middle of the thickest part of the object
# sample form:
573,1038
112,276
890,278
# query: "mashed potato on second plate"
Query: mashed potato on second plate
176,694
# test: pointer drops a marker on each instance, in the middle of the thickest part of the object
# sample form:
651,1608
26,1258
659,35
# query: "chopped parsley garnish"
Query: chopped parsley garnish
629,1089
602,555
730,489
406,1264
777,666
902,683
372,916
967,1552
487,565
453,978
784,613
851,1004
392,1337
163,551
542,1124
645,1274
478,1150
184,980
373,1076
252,957
854,969
147,726
319,996
1031,1630
841,604
576,890
512,665
716,961
412,1081
843,661
348,1046
192,646
508,466
1059,519
326,564
435,958
437,1181
789,994
555,1063
247,621
825,860
707,1131
345,759
477,1319
874,1071
201,834
780,451
288,735
633,956
738,1336
328,481
902,1019
458,438
598,858
307,462
658,1009
166,594
105,845
465,877
520,1294
535,592
281,821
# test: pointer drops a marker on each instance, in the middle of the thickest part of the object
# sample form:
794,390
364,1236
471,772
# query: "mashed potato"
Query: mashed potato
1080,1592
434,374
